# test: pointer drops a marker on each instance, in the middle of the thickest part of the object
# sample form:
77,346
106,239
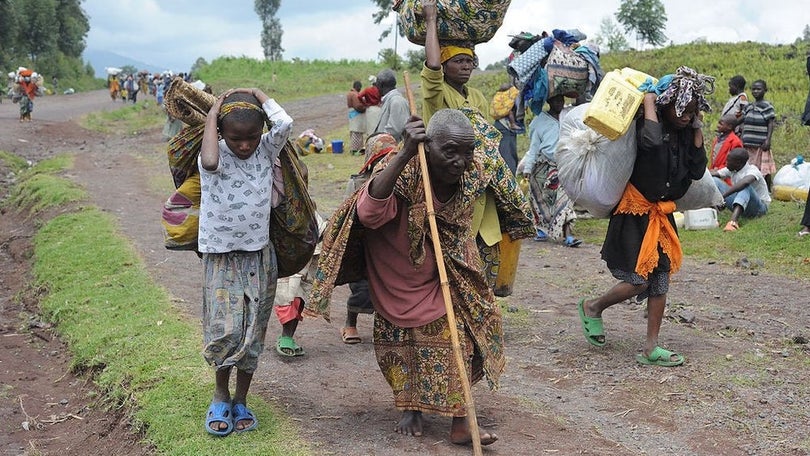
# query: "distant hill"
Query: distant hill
100,60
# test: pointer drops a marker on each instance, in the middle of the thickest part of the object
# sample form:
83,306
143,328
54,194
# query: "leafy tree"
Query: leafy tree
610,36
271,28
198,64
38,25
384,9
8,33
73,27
129,69
647,18
415,59
390,58
806,34
500,65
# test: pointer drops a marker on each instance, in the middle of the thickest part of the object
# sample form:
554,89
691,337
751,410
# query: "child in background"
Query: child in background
736,104
747,195
503,110
757,128
291,293
725,140
236,176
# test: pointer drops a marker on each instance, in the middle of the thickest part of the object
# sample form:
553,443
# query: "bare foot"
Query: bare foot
460,433
410,423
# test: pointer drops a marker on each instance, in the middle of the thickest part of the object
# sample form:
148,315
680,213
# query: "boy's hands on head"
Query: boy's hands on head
218,104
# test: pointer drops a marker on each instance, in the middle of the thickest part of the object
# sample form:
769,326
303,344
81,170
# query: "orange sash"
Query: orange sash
659,231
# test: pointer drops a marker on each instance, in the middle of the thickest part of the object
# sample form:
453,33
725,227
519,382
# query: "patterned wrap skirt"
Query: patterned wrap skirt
238,293
551,206
419,365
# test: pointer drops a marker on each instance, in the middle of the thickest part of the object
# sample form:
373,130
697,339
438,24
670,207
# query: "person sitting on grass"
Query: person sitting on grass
747,196
725,140
239,261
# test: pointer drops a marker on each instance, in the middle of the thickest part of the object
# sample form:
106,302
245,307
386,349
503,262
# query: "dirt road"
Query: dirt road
742,390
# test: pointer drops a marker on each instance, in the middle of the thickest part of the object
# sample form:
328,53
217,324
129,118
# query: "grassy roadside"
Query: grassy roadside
122,329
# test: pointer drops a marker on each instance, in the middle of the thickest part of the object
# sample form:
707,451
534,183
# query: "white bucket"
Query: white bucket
700,219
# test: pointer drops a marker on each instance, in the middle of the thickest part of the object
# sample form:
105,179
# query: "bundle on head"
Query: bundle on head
185,102
686,85
470,20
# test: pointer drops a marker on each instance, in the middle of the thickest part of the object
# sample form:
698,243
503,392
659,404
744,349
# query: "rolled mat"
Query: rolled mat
185,102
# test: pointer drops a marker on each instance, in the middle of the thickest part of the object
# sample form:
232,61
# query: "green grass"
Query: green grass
40,188
141,353
771,238
128,120
14,162
294,80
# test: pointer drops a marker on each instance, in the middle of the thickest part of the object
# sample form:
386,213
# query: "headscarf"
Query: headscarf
377,146
227,108
448,52
687,84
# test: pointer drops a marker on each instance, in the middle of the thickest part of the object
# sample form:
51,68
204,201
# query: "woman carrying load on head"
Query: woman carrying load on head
112,84
641,246
444,77
28,90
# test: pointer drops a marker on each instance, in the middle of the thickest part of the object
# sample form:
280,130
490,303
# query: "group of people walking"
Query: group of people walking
419,242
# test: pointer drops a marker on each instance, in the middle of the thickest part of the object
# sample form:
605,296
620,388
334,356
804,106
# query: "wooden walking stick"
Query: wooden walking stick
472,420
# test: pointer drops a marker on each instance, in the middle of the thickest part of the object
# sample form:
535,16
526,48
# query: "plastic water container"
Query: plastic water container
700,219
616,102
337,147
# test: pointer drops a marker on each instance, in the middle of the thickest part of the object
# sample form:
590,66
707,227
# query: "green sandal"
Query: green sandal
660,357
286,346
591,327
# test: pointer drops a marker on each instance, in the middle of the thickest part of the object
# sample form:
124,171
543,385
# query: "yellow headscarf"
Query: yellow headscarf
448,52
226,108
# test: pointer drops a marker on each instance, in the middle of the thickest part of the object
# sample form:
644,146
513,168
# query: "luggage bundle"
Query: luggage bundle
474,21
594,169
293,223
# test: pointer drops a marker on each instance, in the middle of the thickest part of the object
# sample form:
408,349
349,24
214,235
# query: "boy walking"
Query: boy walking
236,176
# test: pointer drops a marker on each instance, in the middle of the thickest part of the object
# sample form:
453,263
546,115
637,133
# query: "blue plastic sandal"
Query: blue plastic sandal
240,413
540,236
219,412
571,241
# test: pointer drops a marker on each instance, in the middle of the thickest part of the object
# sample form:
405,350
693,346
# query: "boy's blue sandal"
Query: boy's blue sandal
571,241
240,413
219,412
540,236
660,357
591,327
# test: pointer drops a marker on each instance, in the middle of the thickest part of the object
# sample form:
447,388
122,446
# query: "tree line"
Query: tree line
47,36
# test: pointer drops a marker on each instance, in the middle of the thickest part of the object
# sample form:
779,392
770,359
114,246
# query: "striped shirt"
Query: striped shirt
756,118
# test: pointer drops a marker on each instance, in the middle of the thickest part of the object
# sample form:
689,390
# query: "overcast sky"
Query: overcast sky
173,34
